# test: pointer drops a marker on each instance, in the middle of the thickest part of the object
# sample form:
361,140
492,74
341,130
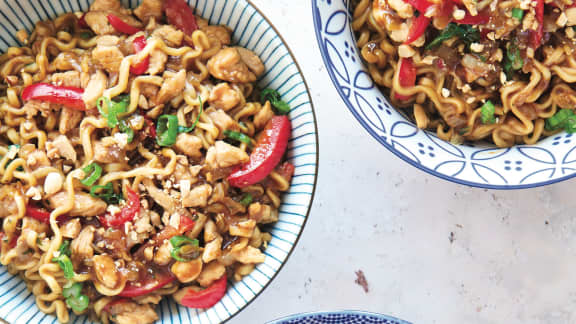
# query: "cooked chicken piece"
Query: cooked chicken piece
109,57
249,254
71,229
37,159
108,150
106,271
95,89
252,60
212,250
212,272
162,256
210,231
189,144
32,107
182,170
8,204
172,86
197,197
263,116
69,119
229,64
113,5
243,228
170,35
67,79
158,60
148,9
61,147
223,155
403,9
219,34
128,312
187,271
223,121
98,21
159,196
262,214
84,204
81,247
224,97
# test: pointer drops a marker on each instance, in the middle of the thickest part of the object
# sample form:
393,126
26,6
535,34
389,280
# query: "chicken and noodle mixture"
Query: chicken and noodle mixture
470,70
137,160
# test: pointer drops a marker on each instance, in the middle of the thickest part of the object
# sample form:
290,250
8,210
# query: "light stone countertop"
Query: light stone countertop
513,254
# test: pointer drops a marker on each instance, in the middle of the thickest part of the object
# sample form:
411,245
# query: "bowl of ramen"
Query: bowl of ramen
157,159
475,92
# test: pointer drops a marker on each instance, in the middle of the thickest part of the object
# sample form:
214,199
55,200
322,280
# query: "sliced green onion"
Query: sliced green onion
487,113
182,129
246,200
276,100
64,248
106,193
126,129
513,60
564,118
178,241
72,290
79,303
66,265
237,136
518,14
113,108
166,130
93,172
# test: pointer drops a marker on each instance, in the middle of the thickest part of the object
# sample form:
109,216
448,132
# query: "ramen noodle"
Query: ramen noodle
138,160
469,70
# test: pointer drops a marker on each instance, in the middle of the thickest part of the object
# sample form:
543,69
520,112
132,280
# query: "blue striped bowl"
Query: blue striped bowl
551,160
254,32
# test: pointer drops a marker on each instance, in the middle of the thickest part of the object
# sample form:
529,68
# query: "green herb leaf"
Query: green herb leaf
93,172
246,200
466,33
487,113
276,100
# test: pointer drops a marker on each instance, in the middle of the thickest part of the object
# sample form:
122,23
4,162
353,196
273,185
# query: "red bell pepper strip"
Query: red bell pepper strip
126,214
140,288
479,19
140,67
38,214
70,97
205,298
536,35
417,28
186,224
266,155
406,76
121,26
180,15
82,21
420,5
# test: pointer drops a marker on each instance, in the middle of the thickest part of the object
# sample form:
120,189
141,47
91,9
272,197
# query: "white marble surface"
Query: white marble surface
512,260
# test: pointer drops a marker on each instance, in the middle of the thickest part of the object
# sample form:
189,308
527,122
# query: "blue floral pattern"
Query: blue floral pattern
553,159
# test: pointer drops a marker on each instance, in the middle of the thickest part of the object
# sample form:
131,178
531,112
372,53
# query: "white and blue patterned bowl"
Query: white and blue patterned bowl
254,32
343,317
551,160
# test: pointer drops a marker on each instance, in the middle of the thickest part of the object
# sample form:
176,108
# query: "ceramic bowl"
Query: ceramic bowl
341,317
253,31
551,160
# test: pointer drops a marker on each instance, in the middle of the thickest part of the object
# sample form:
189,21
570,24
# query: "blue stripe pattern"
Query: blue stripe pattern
252,31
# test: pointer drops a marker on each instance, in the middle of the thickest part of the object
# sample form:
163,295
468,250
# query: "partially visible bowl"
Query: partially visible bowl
551,160
342,317
253,31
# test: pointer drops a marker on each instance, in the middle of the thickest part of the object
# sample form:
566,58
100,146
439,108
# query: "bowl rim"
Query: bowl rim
363,123
338,312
